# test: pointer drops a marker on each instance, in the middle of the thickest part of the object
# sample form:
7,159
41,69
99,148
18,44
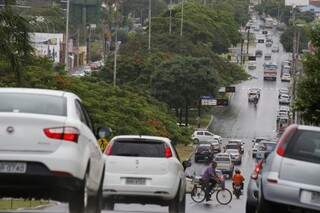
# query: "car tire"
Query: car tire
81,202
177,206
108,204
196,141
265,206
250,208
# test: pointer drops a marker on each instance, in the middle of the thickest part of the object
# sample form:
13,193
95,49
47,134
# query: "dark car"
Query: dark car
204,153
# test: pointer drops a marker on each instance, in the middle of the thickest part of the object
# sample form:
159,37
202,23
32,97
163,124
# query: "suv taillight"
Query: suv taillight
168,152
108,150
63,133
284,139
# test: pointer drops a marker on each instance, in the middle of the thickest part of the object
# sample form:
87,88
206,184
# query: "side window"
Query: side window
83,115
208,134
79,112
87,117
200,133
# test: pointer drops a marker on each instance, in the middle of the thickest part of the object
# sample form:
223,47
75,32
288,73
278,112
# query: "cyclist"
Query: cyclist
210,179
237,179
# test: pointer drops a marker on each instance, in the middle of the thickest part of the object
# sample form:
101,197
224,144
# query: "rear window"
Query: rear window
305,146
139,148
222,159
203,148
232,146
33,103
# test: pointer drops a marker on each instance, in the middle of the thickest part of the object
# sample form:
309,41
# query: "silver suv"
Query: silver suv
290,178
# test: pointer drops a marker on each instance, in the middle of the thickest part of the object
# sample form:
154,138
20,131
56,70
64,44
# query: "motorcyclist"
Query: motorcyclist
210,179
255,99
237,179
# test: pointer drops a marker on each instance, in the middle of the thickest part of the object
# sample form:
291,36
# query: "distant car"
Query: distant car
286,77
283,91
264,149
267,56
49,149
268,44
255,149
224,163
145,170
252,93
204,135
204,153
290,177
215,145
270,65
284,110
259,53
252,65
235,156
238,142
275,49
284,99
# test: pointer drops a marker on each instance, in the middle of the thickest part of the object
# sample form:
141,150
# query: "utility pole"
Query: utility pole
170,19
149,45
115,49
248,40
182,18
66,53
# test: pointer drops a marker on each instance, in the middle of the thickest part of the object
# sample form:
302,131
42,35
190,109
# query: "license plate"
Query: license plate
315,197
136,181
13,167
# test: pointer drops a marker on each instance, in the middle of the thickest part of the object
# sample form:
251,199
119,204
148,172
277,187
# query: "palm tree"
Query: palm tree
15,46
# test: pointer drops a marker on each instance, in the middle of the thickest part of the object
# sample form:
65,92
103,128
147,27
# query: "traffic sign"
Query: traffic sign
231,89
103,144
208,102
222,102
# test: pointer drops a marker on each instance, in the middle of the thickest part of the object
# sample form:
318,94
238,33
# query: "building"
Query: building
314,6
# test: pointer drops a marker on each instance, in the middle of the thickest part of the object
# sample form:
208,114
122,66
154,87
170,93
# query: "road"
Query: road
240,120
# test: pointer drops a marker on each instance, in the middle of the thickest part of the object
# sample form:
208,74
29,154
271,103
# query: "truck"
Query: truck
270,74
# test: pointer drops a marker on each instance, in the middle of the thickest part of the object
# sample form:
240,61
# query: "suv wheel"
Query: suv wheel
196,141
265,206
108,204
177,206
81,202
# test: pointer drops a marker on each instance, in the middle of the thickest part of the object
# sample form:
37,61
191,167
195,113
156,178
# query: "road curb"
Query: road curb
210,122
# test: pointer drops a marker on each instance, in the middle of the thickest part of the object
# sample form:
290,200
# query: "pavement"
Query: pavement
240,120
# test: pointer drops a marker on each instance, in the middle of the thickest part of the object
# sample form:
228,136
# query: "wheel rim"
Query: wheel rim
198,195
224,196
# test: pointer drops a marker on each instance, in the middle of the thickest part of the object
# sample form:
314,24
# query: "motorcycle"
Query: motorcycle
255,102
237,191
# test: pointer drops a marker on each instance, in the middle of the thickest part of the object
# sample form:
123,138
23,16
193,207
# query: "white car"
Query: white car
204,135
215,144
286,77
275,49
235,156
224,164
284,91
48,149
255,149
284,99
252,65
146,170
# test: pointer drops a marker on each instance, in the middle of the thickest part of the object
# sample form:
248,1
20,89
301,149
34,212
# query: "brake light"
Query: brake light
168,152
63,133
108,150
284,139
257,170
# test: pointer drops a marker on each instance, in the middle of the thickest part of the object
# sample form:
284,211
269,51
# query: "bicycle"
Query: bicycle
198,195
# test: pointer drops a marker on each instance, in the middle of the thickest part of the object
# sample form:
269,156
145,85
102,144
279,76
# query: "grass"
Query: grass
184,151
11,204
204,119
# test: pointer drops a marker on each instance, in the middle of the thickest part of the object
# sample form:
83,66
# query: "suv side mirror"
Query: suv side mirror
186,164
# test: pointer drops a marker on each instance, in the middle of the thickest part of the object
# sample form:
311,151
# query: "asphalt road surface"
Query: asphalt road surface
240,120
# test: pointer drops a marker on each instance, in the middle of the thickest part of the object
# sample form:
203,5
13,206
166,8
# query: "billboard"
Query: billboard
47,45
296,2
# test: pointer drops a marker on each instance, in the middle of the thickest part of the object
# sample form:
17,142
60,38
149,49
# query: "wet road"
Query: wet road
240,120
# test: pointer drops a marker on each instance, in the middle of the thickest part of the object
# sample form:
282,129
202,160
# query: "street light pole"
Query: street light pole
115,51
182,14
149,45
66,60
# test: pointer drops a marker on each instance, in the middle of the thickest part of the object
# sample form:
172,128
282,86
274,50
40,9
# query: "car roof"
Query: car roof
235,140
309,128
234,150
143,137
32,91
204,145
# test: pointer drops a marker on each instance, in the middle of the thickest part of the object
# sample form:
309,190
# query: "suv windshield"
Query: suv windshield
33,103
138,148
305,146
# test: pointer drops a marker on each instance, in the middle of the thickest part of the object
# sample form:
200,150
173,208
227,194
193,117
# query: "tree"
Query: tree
286,38
181,81
308,96
15,44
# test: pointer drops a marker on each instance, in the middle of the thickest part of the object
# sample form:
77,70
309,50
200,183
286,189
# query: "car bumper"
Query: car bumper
164,186
290,194
252,193
66,159
39,182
